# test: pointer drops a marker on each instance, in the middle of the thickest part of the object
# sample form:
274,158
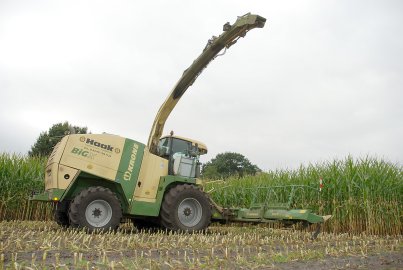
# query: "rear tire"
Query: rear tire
185,208
95,208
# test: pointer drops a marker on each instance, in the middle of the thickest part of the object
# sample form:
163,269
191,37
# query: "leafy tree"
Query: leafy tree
229,164
48,139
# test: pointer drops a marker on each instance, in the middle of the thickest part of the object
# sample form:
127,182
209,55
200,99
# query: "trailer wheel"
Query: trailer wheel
95,208
185,208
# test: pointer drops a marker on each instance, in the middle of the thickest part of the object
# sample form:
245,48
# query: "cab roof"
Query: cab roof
202,147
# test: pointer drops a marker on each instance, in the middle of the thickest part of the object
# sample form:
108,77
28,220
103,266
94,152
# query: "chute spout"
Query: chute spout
228,38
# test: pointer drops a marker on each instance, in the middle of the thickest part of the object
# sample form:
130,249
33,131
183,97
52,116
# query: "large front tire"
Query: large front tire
95,208
185,208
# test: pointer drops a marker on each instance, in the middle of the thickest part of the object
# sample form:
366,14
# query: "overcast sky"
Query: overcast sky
322,79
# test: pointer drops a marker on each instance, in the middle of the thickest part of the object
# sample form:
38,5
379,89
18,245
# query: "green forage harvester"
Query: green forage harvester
97,179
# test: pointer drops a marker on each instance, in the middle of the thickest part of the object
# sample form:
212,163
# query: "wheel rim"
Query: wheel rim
98,213
190,212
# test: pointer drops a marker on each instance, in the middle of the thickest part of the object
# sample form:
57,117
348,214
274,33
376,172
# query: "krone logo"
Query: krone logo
128,173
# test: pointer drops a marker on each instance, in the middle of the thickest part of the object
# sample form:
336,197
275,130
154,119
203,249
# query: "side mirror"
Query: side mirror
192,153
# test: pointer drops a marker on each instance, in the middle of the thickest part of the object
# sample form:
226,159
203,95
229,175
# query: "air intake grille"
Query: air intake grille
52,155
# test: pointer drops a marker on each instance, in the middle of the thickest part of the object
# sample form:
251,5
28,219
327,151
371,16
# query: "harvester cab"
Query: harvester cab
95,180
182,155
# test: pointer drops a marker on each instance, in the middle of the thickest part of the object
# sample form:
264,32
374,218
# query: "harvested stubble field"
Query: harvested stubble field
44,245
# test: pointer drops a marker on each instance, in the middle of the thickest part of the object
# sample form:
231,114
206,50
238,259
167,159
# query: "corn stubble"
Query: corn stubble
44,245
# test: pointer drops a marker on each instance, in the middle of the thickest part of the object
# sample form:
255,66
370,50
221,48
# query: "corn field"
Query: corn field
19,176
362,195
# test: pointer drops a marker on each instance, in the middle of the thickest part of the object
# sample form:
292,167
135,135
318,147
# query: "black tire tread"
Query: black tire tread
170,202
76,219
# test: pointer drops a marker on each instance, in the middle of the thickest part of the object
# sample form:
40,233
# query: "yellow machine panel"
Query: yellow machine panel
152,168
52,165
65,176
51,176
96,154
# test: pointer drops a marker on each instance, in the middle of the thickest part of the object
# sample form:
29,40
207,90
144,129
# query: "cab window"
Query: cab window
163,147
180,146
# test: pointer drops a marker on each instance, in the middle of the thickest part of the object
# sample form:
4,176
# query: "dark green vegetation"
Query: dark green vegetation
228,164
19,176
363,195
45,245
48,139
